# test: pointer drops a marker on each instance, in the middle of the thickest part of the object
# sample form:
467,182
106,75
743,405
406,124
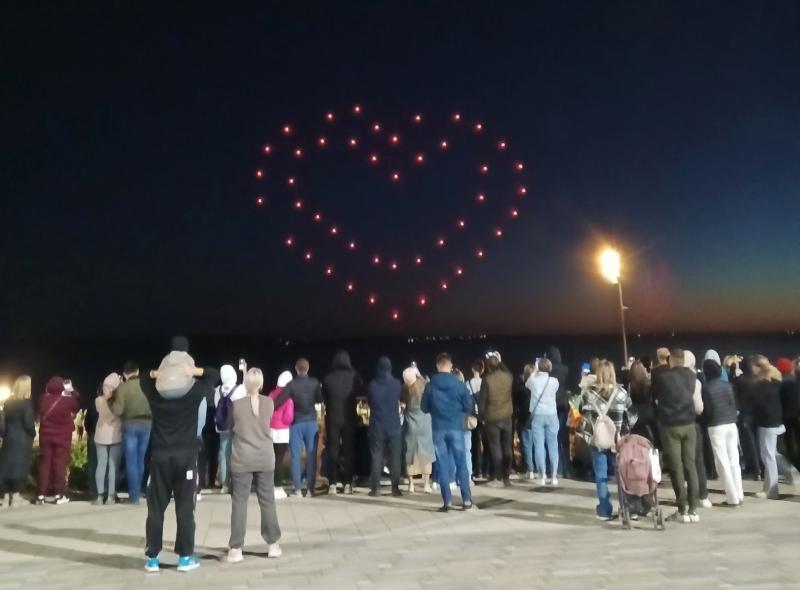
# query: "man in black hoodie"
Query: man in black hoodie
384,425
339,391
561,372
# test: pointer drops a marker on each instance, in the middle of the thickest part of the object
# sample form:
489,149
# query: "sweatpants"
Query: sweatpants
53,459
171,475
678,443
240,494
499,435
379,441
340,438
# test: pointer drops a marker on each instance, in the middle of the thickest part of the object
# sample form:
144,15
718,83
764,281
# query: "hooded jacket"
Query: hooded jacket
495,400
57,410
561,373
713,355
719,402
447,400
384,399
339,390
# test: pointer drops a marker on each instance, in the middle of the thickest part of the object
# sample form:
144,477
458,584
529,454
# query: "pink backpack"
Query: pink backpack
634,465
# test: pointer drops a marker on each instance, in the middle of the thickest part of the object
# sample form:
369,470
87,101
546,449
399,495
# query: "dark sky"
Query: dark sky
130,138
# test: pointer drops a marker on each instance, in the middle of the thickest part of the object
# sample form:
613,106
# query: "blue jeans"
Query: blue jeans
135,438
224,456
601,462
545,433
304,434
450,455
527,448
467,454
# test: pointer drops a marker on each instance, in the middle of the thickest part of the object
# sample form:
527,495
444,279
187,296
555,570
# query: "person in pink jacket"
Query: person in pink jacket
281,420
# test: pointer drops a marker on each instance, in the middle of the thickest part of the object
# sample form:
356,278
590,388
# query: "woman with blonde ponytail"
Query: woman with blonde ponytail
253,459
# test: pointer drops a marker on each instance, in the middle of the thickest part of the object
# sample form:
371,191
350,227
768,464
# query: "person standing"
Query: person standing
719,409
108,443
174,393
304,392
769,419
480,446
16,454
495,407
544,419
57,409
132,407
676,416
447,400
224,397
700,434
418,434
339,391
252,461
560,372
281,423
383,393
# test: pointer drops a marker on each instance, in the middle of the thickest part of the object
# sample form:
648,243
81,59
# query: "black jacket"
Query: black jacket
790,398
719,403
675,390
340,388
561,372
305,392
767,404
174,427
384,399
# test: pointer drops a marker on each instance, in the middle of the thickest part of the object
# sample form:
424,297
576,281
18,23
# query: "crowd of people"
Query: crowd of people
181,428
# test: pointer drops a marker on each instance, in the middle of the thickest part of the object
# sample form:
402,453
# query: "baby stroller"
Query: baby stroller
638,475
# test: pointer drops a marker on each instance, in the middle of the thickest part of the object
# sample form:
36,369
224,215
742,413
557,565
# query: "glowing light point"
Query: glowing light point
440,242
443,285
484,168
259,174
481,197
459,271
610,265
501,145
259,200
291,180
372,299
329,116
395,139
478,127
353,142
298,204
417,118
461,223
308,255
418,260
322,141
519,166
420,158
522,191
422,300
287,129
498,232
289,241
393,265
357,109
395,176
334,230
514,213
395,315
443,144
267,149
350,287
373,158
317,216
479,253
298,152
351,245
376,127
329,271
376,259
456,117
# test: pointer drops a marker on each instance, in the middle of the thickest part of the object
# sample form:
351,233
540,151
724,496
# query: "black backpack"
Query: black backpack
223,414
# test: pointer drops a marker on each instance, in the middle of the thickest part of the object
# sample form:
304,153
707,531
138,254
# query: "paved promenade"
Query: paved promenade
524,537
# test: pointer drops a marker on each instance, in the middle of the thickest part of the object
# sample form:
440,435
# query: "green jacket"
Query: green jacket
129,402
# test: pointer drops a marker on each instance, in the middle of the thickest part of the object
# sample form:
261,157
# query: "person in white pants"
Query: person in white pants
719,412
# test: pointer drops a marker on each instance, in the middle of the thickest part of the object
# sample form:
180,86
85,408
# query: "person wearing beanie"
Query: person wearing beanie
130,405
108,442
57,409
174,392
252,461
418,434
383,393
281,422
340,388
224,396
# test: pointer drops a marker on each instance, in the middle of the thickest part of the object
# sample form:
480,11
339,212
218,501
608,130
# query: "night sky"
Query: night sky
130,138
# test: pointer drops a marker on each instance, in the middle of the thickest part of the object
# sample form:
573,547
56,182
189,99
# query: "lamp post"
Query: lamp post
610,268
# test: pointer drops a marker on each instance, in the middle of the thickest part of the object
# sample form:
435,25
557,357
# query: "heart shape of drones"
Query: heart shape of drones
393,155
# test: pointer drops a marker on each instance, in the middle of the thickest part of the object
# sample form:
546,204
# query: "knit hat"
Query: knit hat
689,360
112,381
784,365
284,378
173,379
712,355
410,375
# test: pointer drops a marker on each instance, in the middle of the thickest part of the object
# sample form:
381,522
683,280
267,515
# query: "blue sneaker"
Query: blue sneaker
188,563
151,565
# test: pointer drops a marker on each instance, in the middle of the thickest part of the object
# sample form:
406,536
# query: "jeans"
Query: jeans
725,443
499,435
679,452
450,454
224,456
601,462
468,453
135,438
774,462
545,433
92,466
108,457
379,441
240,494
526,441
304,434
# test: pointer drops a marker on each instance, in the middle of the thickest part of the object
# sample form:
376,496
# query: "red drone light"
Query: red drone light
395,315
318,216
480,197
443,285
456,117
423,301
322,141
372,299
373,158
376,127
484,168
376,259
351,245
334,230
418,260
357,109
395,176
289,241
298,152
259,174
394,139
443,144
440,242
329,116
417,118
353,142
478,253
267,149
514,213
290,180
420,158
478,127
461,223
498,233
501,145
522,191
329,271
287,129
308,255
298,204
459,271
350,287
393,265
519,166
259,200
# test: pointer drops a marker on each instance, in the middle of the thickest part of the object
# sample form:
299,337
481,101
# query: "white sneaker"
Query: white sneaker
761,495
531,475
332,491
679,516
705,503
410,487
199,496
542,481
60,500
234,556
279,493
693,517
274,551
554,481
427,488
348,489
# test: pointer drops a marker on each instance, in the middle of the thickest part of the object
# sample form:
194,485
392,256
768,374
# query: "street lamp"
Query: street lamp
610,268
